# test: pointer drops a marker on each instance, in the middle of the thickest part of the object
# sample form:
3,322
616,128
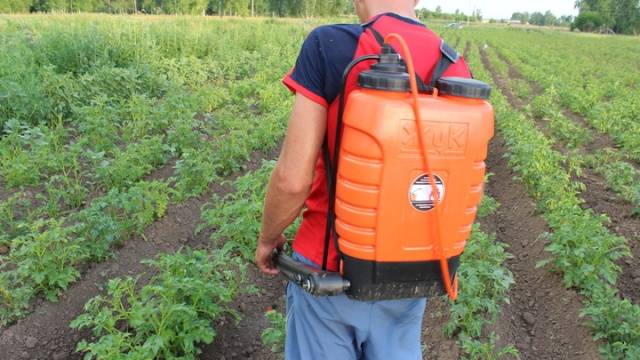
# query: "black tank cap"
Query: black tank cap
389,73
468,88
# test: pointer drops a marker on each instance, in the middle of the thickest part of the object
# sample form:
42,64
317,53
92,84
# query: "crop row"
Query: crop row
236,220
484,286
581,247
174,313
215,123
597,79
619,174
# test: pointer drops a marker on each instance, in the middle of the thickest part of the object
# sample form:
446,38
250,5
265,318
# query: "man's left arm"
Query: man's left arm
292,177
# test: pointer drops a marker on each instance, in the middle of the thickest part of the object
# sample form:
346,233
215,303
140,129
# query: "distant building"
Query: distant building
515,22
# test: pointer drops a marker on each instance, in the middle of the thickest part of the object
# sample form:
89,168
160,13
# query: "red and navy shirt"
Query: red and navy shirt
318,74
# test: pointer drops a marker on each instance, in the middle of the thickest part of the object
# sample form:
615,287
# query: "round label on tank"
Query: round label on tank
420,194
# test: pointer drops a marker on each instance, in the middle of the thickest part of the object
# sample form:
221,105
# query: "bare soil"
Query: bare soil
242,340
597,195
45,334
437,346
599,142
4,193
467,47
542,320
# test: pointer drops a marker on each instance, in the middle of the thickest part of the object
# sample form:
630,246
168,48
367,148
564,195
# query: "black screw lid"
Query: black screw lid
468,88
389,73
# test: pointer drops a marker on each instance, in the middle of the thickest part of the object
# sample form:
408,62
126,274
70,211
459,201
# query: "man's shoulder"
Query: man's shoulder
337,32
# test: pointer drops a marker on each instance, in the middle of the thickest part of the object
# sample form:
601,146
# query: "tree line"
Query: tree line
540,19
293,8
612,16
297,8
618,16
458,16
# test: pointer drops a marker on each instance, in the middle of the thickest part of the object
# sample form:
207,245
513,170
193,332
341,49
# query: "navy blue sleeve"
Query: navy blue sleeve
309,74
323,57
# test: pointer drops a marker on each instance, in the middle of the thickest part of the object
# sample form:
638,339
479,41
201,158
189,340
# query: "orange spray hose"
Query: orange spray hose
444,265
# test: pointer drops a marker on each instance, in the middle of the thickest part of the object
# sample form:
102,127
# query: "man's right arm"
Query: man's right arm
292,177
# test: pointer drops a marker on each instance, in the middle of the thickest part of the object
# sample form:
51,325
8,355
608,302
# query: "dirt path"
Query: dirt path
600,141
437,346
45,334
542,320
467,47
597,194
456,42
242,340
31,194
4,193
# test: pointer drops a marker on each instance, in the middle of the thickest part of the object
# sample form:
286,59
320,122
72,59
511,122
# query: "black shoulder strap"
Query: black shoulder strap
328,169
447,58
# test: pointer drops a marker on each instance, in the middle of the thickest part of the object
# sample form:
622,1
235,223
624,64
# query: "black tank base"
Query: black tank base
372,280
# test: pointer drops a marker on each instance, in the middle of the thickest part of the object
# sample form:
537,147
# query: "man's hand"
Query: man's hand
264,254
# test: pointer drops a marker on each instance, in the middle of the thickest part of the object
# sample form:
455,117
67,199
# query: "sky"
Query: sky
499,9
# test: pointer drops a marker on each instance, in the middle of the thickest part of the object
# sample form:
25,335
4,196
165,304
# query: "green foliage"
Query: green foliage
620,175
484,284
488,206
237,217
304,8
28,154
622,16
91,106
61,193
131,164
581,246
195,171
274,335
47,257
478,350
14,300
545,107
587,21
169,316
111,219
616,322
11,221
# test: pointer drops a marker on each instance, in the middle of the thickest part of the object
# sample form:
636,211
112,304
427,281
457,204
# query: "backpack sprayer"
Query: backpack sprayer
405,194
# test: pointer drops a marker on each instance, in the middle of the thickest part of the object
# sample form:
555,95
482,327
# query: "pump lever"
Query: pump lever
315,282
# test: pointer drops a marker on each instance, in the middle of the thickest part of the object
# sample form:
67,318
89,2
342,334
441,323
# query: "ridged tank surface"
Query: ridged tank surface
384,202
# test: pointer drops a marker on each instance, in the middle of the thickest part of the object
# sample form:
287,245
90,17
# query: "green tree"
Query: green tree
14,6
549,18
626,15
587,21
622,16
602,7
537,18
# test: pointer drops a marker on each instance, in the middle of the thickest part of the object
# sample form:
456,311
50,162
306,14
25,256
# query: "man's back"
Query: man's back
337,327
318,73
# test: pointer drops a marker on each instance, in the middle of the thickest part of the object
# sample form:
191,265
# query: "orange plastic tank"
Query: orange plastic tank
384,202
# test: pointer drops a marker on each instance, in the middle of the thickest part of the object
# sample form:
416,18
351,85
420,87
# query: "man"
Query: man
336,327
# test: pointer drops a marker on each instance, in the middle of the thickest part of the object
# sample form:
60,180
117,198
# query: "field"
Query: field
134,153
